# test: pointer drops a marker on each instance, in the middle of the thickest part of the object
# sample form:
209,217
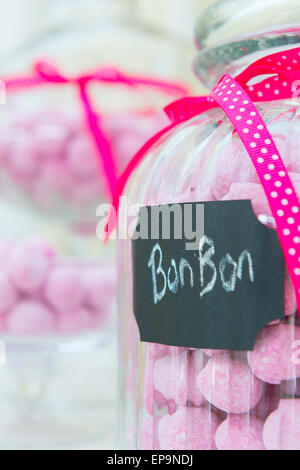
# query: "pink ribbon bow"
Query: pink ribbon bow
276,77
44,73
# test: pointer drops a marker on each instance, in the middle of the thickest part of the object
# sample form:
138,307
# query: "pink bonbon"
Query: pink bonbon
229,385
94,297
79,166
42,294
64,289
30,318
272,358
74,321
175,377
282,428
240,432
28,272
188,429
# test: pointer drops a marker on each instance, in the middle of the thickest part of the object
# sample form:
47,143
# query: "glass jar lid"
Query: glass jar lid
230,34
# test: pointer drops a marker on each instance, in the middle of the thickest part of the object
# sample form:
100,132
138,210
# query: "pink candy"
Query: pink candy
64,289
79,166
188,429
74,321
175,377
26,271
30,318
240,432
272,358
93,278
229,385
39,294
282,428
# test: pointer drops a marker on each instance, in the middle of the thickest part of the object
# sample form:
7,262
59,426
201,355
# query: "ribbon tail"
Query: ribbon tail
255,70
189,107
102,144
134,162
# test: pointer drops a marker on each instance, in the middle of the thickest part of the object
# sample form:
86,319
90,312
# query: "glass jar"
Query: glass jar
175,398
49,120
57,277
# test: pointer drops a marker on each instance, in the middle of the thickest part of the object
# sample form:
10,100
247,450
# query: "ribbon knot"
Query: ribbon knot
49,73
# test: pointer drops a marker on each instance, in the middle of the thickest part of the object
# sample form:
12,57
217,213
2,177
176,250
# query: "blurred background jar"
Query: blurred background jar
59,174
56,277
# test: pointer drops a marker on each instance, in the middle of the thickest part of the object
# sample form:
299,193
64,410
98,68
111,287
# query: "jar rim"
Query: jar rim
224,20
237,53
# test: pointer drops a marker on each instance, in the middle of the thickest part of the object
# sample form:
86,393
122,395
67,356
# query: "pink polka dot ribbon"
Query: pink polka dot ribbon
274,77
281,195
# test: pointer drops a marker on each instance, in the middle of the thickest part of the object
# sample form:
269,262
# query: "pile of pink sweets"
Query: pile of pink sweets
51,156
208,400
42,294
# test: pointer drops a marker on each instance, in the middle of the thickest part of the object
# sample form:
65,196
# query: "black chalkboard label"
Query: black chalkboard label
206,275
